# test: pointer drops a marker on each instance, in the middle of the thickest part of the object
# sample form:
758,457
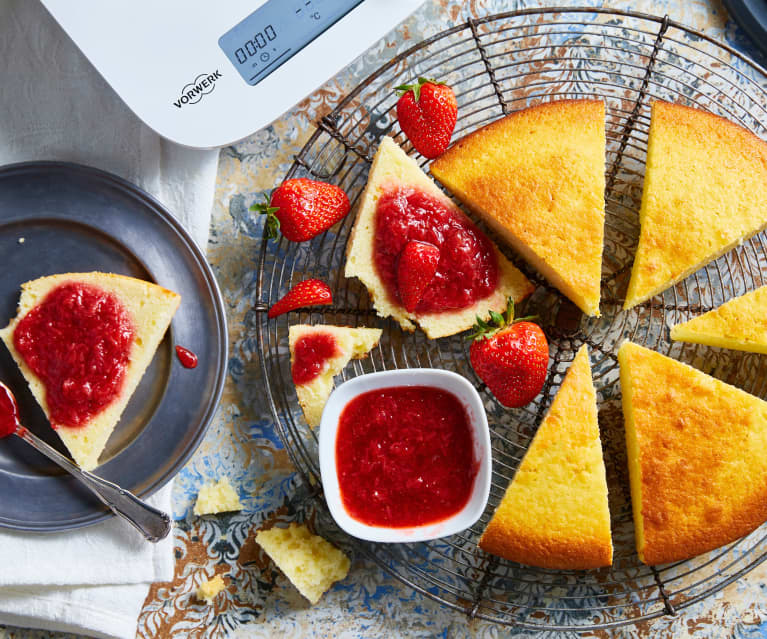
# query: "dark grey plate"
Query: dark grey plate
751,16
77,219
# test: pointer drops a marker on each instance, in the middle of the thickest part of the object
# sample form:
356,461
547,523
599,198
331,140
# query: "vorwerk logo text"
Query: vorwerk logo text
203,84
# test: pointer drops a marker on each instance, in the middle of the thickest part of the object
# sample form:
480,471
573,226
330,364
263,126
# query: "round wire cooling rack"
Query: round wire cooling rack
496,65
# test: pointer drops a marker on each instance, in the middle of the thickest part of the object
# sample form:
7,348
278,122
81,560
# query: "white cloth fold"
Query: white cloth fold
55,106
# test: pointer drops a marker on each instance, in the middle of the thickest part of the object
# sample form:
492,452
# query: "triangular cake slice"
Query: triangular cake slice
392,174
554,513
704,193
83,342
697,451
537,177
740,324
319,353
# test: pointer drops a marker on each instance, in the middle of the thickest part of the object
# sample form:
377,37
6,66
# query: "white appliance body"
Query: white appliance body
207,74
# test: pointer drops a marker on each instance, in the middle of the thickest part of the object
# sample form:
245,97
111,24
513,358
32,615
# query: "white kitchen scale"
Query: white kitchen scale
207,74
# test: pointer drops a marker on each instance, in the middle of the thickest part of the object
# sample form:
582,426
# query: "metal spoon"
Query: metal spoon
150,522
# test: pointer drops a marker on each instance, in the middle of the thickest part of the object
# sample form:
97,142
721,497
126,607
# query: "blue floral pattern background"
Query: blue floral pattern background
243,445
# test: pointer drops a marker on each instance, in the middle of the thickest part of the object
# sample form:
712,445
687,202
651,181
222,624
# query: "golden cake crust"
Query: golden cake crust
392,167
537,177
704,193
739,324
554,513
697,457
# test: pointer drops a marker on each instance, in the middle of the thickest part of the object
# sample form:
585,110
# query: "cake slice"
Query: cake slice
537,177
740,324
554,513
704,193
311,563
83,342
473,277
218,497
319,353
697,452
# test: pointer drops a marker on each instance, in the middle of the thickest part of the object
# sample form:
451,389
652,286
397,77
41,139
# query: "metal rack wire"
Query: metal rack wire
496,65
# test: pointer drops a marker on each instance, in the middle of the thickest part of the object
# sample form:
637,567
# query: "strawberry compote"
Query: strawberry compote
78,342
310,355
468,269
9,412
405,456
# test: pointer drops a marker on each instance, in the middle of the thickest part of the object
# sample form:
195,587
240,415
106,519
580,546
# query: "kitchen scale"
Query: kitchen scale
208,74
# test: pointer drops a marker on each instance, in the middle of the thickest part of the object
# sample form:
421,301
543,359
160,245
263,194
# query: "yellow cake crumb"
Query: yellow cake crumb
217,498
309,561
208,590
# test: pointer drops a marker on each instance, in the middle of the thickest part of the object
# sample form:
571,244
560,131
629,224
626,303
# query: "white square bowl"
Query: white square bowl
444,380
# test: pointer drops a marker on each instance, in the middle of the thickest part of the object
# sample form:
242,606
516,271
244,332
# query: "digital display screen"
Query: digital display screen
276,31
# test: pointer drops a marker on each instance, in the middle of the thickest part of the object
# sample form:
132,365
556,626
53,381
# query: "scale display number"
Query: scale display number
276,31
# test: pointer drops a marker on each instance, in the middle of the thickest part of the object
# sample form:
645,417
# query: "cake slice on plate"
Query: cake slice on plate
697,451
83,342
537,177
400,208
740,324
554,513
319,353
704,193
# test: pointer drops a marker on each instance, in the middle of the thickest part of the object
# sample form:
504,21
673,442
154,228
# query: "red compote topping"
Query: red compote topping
9,412
78,342
187,358
468,269
310,354
405,456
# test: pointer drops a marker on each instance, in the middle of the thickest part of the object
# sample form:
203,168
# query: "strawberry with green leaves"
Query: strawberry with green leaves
302,209
511,356
303,294
427,112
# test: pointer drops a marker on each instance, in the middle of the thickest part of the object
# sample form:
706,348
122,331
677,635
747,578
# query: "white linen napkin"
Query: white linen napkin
55,106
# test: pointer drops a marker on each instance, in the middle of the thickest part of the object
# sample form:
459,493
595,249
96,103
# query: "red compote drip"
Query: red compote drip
187,358
310,354
405,456
467,270
9,412
78,342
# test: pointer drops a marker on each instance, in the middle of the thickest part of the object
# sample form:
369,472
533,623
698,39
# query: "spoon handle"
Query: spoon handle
149,521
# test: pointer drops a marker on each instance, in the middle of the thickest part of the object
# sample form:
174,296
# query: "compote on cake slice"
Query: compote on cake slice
704,193
697,451
554,513
83,342
319,353
402,209
537,177
740,324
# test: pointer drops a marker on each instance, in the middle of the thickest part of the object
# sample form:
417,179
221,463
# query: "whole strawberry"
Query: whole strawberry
306,293
427,112
416,269
510,356
302,209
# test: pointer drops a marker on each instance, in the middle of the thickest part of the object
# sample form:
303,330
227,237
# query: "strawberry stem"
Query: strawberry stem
484,329
415,88
272,224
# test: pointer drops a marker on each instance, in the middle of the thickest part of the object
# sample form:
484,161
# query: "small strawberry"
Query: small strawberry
306,293
427,112
415,271
511,356
302,209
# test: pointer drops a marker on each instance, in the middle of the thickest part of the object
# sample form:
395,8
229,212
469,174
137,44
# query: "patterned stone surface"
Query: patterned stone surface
243,445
